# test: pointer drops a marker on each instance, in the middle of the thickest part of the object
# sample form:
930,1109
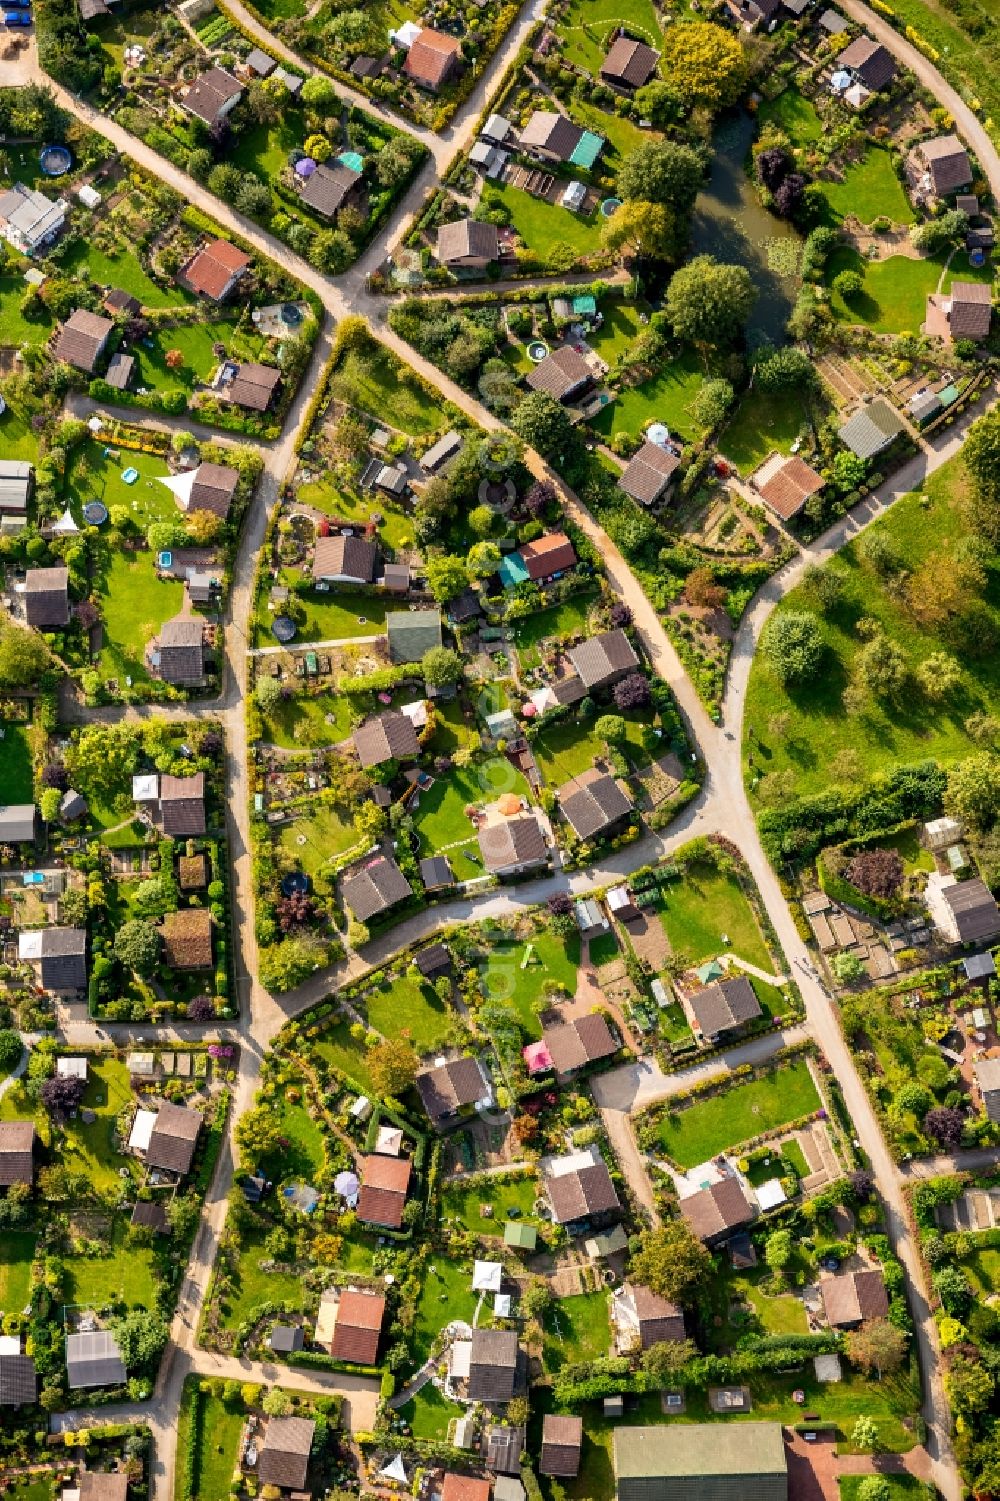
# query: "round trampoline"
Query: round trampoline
291,314
537,351
295,884
95,513
305,168
284,628
55,160
610,206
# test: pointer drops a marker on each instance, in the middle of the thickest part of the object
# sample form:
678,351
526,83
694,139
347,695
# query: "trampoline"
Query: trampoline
352,159
95,513
610,206
284,628
537,351
130,475
295,884
55,160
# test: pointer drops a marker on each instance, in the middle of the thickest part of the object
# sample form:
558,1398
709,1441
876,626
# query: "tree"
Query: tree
295,911
544,425
285,965
877,1346
707,303
48,804
481,521
11,1049
825,585
257,1134
778,1251
201,1009
970,1386
662,172
938,234
658,102
318,92
370,822
862,1185
785,369
318,147
61,1095
712,403
267,693
876,872
671,1261
392,1064
665,1360
788,195
644,229
701,589
848,471
864,1434
559,903
484,559
772,164
137,946
142,1337
632,692
447,576
705,64
499,387
973,790
611,727
849,284
938,676
952,1287
538,498
874,1488
792,645
24,657
847,968
440,665
946,1125
276,1403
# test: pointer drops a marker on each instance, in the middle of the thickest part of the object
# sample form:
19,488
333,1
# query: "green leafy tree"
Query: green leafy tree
973,790
137,946
392,1064
257,1134
24,657
285,965
440,665
705,64
658,102
10,1050
446,576
864,1434
877,1346
611,727
849,284
707,303
792,646
370,822
545,426
779,1250
881,667
103,757
970,1386
643,229
481,520
662,172
142,1337
267,693
712,403
318,92
483,560
874,1488
665,1361
785,369
935,235
847,968
671,1261
939,676
48,804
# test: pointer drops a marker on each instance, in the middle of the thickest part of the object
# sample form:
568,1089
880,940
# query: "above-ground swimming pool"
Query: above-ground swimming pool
609,206
537,351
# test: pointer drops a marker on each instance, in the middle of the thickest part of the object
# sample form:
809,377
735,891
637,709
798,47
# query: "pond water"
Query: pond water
730,223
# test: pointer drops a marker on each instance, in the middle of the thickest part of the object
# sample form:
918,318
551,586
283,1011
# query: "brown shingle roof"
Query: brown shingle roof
384,1181
604,658
343,556
211,269
81,339
213,489
359,1324
948,163
174,1138
153,1213
786,484
117,301
971,309
210,94
187,938
581,1192
648,473
516,841
254,386
328,188
712,1211
592,803
386,737
17,1139
447,1088
181,648
584,1040
284,1457
46,597
375,887
725,1004
562,1441
493,1365
854,1296
550,554
551,132
659,1319
431,57
467,239
103,1485
631,63
182,805
561,373
870,61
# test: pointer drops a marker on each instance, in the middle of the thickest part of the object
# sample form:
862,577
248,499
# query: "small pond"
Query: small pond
730,223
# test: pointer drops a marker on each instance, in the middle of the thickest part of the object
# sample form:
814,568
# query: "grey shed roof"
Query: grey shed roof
649,473
493,1365
375,887
725,1004
701,1462
445,448
435,872
603,658
17,822
976,914
386,737
18,1382
259,62
62,955
94,1359
15,484
948,163
561,373
411,633
592,803
467,239
979,966
285,1338
833,22
871,429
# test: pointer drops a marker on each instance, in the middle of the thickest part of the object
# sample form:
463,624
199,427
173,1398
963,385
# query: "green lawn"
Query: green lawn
900,1487
339,615
454,730
90,1150
883,734
894,296
375,382
31,1490
558,620
317,835
701,907
195,342
869,190
596,1480
586,27
793,113
305,1153
17,1251
762,424
543,225
216,1448
783,1314
982,1267
15,329
16,436
507,976
325,494
338,1047
310,719
253,1286
566,750
264,149
714,1125
500,1193
576,1329
15,764
620,328
664,398
409,1006
127,1275
124,272
440,814
446,1295
429,1413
